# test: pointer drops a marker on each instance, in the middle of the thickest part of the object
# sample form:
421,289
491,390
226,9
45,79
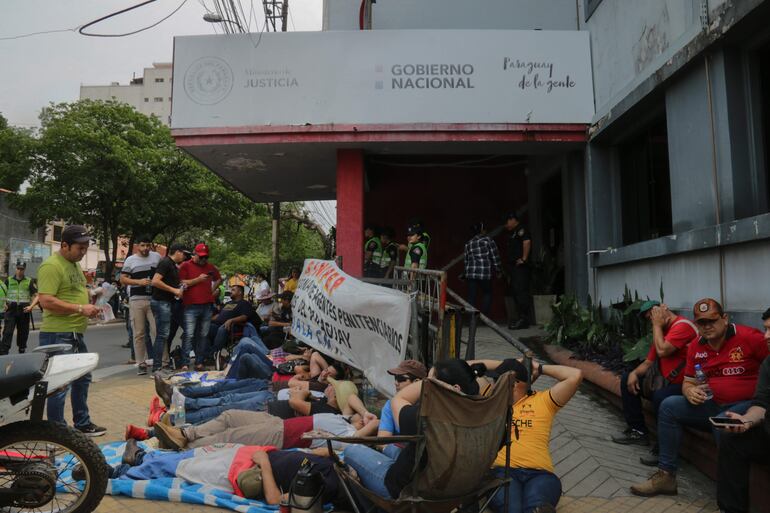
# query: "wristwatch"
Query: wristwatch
80,309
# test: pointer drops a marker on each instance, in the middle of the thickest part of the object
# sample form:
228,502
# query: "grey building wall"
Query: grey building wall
13,225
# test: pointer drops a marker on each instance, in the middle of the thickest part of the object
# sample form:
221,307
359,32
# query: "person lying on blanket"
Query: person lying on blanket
259,428
250,471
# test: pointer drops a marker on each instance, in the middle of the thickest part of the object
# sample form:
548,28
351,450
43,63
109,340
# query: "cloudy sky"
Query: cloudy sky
51,67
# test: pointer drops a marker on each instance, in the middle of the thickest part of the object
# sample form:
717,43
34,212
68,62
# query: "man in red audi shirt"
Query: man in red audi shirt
671,334
730,355
201,280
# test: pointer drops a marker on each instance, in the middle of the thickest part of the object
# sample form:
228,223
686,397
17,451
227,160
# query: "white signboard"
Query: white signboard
354,322
382,76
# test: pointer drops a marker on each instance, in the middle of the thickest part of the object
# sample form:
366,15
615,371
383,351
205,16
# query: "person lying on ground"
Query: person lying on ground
302,402
250,471
387,476
534,486
306,381
165,390
260,428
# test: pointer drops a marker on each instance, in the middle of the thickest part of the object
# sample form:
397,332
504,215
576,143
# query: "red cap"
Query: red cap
202,250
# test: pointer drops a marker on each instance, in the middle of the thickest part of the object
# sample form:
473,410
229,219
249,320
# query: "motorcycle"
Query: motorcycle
37,457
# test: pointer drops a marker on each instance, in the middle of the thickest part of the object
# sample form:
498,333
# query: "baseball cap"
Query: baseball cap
75,234
250,482
414,229
177,247
412,367
647,306
265,294
707,309
343,389
202,250
511,215
21,265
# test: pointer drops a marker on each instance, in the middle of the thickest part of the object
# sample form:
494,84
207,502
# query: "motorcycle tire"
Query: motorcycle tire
74,441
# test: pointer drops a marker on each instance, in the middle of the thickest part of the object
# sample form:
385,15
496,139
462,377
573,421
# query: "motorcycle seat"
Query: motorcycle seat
19,372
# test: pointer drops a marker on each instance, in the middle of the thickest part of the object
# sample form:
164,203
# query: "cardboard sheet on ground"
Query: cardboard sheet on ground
363,325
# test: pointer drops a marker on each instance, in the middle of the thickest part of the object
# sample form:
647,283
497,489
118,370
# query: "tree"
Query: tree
15,152
107,166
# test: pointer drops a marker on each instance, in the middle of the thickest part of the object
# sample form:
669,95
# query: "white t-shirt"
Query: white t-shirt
139,267
334,424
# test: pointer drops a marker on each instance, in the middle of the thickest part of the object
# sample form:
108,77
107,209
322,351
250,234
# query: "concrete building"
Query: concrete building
150,94
18,240
631,135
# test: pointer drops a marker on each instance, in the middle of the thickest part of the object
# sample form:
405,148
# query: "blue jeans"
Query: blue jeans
198,403
230,385
161,310
197,319
632,404
371,466
528,489
259,366
257,402
79,387
677,412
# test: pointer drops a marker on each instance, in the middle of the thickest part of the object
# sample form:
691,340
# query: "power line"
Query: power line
40,33
122,11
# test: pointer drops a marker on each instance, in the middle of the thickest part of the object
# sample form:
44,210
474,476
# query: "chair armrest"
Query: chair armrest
366,440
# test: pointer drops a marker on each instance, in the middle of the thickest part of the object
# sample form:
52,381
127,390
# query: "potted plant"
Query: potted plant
545,272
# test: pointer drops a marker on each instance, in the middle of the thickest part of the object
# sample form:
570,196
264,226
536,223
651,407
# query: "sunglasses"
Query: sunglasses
401,378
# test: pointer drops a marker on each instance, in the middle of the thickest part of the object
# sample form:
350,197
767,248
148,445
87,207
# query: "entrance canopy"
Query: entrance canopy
270,112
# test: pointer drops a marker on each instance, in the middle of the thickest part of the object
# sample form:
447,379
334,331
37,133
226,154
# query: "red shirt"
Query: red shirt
733,370
243,461
293,429
680,332
199,294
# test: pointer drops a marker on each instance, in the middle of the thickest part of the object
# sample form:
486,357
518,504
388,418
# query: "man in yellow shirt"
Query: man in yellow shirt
534,486
291,283
66,310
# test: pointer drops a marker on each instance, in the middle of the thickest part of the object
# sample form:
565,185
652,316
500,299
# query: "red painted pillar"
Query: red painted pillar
350,210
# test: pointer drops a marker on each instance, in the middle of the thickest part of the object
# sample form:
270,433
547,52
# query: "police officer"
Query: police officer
20,300
372,252
389,252
517,267
417,250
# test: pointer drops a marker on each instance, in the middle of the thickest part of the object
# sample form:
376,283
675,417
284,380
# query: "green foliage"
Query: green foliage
545,271
15,155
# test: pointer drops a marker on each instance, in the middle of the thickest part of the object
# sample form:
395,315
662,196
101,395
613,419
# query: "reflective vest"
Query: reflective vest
385,260
423,264
377,253
18,291
3,293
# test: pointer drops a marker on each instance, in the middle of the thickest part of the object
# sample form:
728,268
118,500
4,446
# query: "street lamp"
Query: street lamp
212,17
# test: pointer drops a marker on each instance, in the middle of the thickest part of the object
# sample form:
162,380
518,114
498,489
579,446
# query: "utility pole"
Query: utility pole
276,229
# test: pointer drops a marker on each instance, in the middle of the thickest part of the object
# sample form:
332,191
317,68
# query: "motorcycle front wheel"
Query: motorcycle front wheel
36,464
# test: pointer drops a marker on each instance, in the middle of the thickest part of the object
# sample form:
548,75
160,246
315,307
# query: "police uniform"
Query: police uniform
518,286
417,252
372,267
19,296
389,257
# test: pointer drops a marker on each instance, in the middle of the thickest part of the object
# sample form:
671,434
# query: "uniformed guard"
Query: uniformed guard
372,252
417,250
20,300
389,252
517,267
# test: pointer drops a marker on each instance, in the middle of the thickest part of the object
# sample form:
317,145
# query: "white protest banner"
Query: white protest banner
363,325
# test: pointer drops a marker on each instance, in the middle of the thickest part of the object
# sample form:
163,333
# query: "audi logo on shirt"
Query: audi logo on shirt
733,371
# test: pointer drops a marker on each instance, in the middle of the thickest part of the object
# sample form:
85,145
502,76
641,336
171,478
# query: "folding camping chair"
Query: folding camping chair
462,435
237,332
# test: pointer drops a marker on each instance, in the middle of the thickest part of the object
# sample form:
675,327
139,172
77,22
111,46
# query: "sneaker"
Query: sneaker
660,483
92,430
156,411
170,437
651,459
136,433
631,437
141,370
163,389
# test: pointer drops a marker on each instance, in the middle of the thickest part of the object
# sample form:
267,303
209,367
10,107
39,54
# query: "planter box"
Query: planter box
543,311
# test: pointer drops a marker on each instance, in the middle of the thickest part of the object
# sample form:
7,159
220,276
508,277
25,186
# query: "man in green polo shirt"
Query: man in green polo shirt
66,310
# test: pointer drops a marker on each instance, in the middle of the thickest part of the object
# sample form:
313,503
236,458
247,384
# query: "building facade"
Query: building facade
658,177
150,94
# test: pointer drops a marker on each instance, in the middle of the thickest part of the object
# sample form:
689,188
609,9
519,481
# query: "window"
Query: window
158,80
146,100
158,99
645,185
57,230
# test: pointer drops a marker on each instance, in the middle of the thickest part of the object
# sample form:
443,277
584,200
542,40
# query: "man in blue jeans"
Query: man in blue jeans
202,280
730,355
64,298
166,290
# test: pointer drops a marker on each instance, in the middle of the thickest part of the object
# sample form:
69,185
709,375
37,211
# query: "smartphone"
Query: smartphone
725,421
210,273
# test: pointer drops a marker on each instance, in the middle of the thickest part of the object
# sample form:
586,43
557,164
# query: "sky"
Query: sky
51,67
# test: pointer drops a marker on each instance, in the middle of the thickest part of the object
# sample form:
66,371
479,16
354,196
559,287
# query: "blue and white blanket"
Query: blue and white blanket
173,489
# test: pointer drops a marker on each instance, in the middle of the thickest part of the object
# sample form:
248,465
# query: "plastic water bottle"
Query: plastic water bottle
702,380
178,417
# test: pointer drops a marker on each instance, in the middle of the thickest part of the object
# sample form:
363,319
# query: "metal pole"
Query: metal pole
276,228
284,15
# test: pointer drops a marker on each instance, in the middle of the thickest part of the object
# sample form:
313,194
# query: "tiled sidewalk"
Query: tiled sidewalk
595,472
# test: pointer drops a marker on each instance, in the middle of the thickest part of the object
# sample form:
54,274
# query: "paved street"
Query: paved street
595,472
